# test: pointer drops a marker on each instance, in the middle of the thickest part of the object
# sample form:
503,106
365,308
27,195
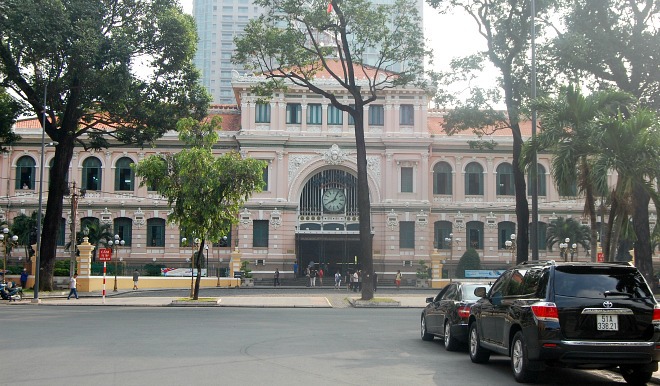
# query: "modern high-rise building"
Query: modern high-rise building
218,22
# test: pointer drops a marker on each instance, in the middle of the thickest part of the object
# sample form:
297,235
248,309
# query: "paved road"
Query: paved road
101,345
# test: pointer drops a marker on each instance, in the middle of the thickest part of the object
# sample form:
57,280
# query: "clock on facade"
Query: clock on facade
334,200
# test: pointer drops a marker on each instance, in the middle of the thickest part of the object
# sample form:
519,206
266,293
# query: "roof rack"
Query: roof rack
547,262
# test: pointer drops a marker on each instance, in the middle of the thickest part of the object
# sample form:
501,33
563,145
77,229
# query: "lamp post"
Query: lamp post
573,250
511,245
564,248
451,241
206,248
41,192
74,210
116,245
7,242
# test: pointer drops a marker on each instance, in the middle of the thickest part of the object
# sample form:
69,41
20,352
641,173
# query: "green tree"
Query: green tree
25,227
561,229
505,25
615,42
469,260
295,39
204,192
571,125
112,72
9,112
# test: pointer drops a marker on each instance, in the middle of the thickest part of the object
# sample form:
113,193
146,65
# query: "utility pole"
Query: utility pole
74,210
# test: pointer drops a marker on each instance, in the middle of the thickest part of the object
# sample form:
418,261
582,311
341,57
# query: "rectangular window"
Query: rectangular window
260,233
407,234
314,114
376,115
406,180
262,113
406,115
335,116
293,113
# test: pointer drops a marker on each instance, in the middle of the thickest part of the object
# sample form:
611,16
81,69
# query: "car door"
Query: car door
491,309
447,304
433,311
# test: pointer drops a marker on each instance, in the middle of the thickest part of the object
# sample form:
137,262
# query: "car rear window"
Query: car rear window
599,282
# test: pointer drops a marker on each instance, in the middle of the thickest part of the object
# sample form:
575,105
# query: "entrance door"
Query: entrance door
332,252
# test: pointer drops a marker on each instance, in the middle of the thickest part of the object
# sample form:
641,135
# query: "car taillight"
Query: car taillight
463,312
656,314
545,311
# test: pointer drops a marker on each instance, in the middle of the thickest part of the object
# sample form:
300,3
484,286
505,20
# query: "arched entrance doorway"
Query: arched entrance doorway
327,234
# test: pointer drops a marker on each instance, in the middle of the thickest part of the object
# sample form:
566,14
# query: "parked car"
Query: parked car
446,315
580,315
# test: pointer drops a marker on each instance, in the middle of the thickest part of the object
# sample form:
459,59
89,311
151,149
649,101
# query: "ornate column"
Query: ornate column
84,264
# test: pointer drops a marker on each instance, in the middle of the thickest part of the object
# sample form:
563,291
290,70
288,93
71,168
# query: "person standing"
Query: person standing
312,276
397,279
73,286
295,270
337,280
276,279
375,281
321,273
24,277
136,277
354,281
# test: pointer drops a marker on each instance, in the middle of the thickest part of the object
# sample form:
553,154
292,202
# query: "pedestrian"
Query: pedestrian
354,281
308,274
397,279
321,273
375,280
73,285
136,276
359,280
295,270
276,280
312,276
337,280
24,277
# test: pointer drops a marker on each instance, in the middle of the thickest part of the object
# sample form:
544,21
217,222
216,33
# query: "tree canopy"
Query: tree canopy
10,109
204,191
112,72
362,46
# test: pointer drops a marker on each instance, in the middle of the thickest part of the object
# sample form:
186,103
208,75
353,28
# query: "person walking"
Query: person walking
397,279
24,277
136,277
276,279
73,285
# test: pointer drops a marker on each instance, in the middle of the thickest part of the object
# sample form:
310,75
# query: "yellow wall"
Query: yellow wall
95,283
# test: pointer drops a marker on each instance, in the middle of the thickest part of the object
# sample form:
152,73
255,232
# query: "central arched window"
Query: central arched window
25,171
474,232
504,231
155,232
124,179
91,174
123,226
442,178
441,231
505,180
474,179
540,179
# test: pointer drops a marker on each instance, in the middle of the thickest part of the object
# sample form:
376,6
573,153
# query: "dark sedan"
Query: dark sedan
446,315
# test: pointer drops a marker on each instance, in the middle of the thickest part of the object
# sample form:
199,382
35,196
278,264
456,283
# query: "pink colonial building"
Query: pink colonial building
428,190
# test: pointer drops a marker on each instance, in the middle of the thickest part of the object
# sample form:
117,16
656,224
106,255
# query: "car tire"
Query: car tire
451,344
425,335
478,354
520,360
635,376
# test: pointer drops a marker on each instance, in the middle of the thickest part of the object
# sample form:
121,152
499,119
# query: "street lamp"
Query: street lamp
41,192
7,243
573,250
511,245
451,241
116,245
564,248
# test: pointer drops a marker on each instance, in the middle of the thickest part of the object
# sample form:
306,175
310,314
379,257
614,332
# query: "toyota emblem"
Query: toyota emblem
607,304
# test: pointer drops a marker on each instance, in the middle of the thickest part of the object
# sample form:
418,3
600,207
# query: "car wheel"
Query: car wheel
635,376
425,335
478,354
520,360
451,344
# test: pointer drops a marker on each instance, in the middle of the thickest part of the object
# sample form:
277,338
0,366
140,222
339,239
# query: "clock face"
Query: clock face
334,200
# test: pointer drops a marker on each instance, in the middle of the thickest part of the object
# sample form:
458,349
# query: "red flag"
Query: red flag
329,6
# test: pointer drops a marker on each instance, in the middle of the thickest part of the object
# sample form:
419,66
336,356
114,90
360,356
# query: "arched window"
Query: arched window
25,172
124,179
540,179
474,179
441,231
505,180
91,174
155,232
442,178
504,231
123,227
474,232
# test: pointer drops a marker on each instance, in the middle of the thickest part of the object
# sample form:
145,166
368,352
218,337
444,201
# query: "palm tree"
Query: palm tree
560,229
25,227
97,234
569,125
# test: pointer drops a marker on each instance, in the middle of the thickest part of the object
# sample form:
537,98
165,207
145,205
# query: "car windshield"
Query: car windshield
600,282
468,291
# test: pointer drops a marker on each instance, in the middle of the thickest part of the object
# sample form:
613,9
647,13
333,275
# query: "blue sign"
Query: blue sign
483,273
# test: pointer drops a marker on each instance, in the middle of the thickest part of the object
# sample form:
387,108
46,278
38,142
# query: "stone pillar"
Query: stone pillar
84,263
437,280
234,262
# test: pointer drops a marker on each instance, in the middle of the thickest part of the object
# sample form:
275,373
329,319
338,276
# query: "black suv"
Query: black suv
583,315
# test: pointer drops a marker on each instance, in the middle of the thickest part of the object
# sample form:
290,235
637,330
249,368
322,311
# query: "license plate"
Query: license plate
607,322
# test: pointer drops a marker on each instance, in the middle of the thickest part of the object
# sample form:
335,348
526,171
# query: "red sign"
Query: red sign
600,257
105,254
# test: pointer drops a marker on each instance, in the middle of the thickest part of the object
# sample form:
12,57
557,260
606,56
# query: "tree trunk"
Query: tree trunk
643,252
611,227
198,264
590,209
56,187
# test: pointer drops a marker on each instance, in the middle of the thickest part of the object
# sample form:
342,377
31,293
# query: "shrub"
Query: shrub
422,270
244,268
62,268
153,269
469,260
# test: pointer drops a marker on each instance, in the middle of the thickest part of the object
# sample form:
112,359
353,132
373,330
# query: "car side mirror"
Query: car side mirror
480,292
429,300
